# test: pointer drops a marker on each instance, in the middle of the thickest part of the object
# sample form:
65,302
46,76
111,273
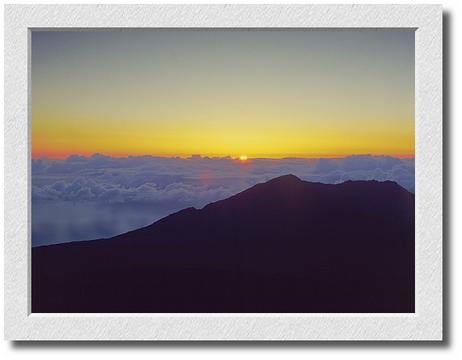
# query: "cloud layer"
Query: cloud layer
98,196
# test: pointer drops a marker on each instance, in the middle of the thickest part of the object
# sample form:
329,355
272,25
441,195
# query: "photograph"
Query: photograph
222,170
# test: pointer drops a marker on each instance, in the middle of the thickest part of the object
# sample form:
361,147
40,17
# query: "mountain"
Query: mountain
286,245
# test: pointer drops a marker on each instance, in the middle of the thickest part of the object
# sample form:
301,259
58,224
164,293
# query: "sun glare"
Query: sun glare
243,157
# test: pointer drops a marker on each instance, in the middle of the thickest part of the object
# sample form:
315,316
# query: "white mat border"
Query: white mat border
425,324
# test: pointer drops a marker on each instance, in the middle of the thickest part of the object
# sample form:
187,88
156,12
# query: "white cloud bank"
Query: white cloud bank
160,186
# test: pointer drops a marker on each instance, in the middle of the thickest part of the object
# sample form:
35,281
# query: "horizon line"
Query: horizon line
205,156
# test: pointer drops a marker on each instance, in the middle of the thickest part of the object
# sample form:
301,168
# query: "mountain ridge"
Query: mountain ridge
285,180
309,241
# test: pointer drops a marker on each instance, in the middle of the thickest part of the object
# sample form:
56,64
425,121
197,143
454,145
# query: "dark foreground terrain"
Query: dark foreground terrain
283,246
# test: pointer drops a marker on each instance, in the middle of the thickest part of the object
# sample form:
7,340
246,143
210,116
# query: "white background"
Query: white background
451,348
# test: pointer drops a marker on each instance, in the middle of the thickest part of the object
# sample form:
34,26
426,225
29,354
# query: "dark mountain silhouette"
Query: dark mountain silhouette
282,246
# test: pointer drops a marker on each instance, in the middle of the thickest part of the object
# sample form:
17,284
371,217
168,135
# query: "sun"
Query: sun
243,157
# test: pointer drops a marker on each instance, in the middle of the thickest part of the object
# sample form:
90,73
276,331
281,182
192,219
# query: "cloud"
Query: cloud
197,179
164,185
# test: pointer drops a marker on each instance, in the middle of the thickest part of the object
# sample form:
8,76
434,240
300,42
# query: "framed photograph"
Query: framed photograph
216,172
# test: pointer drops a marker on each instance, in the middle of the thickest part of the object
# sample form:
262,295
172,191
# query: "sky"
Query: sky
259,93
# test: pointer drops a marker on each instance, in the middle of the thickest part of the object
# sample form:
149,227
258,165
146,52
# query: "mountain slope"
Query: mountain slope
282,246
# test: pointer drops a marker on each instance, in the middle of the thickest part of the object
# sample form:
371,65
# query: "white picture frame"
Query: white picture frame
423,325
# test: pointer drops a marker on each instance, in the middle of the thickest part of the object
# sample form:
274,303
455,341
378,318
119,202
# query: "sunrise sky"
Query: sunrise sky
259,93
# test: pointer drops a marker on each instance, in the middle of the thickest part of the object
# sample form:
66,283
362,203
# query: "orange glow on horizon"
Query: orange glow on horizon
62,155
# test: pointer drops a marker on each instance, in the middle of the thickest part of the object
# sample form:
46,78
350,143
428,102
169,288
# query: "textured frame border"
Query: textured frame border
425,324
